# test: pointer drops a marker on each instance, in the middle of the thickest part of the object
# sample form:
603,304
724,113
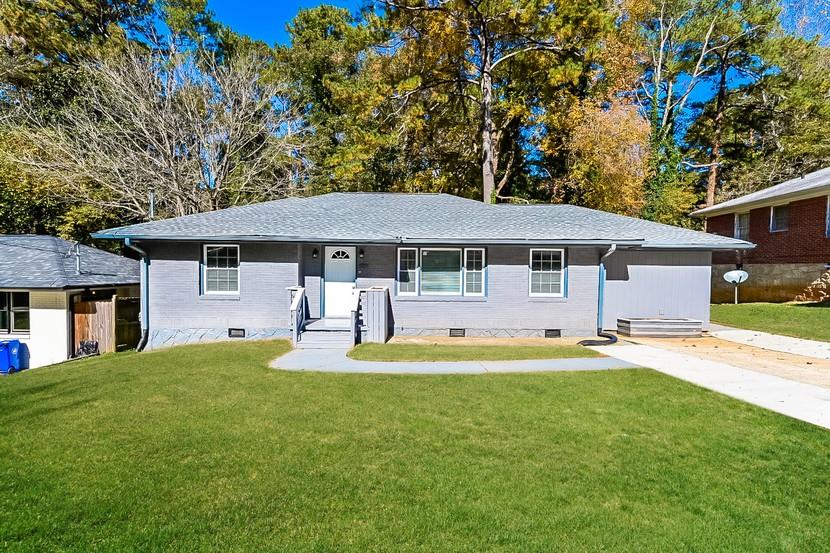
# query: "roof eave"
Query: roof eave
720,209
700,247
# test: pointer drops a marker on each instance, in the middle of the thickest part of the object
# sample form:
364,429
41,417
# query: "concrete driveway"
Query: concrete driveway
748,374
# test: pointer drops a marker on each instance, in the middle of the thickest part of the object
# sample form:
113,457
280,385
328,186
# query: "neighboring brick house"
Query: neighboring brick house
790,225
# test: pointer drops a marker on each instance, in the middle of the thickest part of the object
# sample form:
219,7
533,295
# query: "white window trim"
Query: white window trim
736,233
460,271
827,220
205,269
772,218
561,272
417,273
482,271
13,331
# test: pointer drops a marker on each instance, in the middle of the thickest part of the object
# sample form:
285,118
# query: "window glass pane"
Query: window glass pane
20,300
440,271
475,260
4,321
780,217
474,282
546,272
21,320
222,257
222,269
742,226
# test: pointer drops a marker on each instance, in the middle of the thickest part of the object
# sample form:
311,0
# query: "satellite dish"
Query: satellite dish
736,277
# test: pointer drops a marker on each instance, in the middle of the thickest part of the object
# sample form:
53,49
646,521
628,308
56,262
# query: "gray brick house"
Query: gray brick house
375,264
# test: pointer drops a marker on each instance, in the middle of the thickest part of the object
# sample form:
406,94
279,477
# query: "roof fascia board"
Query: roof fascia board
765,202
330,240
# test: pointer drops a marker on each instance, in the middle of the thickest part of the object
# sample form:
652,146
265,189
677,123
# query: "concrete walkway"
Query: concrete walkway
774,342
335,360
801,401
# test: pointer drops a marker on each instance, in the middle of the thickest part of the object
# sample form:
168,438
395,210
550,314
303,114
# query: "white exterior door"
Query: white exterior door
339,274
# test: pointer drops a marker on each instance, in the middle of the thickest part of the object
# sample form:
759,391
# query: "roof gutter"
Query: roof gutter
145,296
725,207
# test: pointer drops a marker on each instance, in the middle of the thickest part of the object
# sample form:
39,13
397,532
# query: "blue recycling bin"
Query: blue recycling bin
10,356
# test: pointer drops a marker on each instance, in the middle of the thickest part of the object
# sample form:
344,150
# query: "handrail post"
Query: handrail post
297,312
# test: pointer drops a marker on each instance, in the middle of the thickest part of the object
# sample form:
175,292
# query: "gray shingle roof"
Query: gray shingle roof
811,184
423,218
35,261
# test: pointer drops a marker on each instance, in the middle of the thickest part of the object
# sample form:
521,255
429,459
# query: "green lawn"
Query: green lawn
448,352
811,321
205,448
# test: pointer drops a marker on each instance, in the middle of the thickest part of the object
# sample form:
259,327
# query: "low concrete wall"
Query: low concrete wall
767,282
166,337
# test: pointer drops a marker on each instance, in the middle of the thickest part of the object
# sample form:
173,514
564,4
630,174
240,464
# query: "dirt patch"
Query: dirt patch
786,365
485,341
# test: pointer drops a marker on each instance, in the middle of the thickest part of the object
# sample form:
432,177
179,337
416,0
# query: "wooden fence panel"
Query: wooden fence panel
94,320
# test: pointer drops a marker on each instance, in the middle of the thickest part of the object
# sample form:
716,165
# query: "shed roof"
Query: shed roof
418,218
37,261
810,185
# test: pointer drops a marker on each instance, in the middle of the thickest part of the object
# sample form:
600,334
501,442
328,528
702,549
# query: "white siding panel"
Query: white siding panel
657,284
48,339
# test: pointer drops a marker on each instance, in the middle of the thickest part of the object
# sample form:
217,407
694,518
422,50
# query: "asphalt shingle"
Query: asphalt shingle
400,218
817,181
36,261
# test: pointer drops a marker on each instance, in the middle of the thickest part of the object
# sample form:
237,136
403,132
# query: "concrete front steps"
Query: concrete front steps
326,334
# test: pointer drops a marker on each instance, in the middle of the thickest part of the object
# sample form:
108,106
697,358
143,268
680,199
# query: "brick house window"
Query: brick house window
742,226
779,218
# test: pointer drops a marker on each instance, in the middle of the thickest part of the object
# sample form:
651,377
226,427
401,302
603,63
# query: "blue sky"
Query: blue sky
266,19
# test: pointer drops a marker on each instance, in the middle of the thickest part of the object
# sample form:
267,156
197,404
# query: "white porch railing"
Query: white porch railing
297,312
355,315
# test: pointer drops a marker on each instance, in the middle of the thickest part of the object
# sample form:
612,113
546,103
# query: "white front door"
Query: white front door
339,275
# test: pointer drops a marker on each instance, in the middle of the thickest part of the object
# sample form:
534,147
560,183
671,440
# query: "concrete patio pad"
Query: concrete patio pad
774,342
335,360
795,399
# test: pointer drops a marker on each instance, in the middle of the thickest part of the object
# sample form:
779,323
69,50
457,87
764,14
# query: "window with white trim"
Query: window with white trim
14,312
221,269
408,271
441,271
742,226
546,272
474,272
779,218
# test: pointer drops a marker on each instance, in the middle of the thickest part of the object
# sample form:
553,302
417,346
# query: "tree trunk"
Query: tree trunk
717,133
488,171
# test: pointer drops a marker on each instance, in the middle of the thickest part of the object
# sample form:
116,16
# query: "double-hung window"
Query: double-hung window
221,269
779,218
441,272
473,272
742,226
547,272
408,272
14,312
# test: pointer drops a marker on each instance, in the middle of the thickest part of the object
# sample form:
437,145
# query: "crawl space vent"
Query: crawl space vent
553,333
236,333
457,333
